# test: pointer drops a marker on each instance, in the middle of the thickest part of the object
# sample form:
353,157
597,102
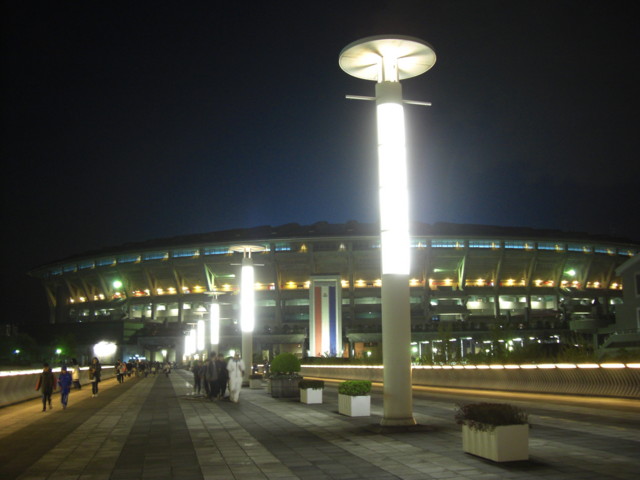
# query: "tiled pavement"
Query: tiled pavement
155,429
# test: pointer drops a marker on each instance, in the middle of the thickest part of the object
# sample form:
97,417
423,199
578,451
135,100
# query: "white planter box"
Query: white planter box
311,395
502,444
359,406
253,383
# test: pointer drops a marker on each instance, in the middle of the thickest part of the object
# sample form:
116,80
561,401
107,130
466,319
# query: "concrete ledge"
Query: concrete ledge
18,386
570,380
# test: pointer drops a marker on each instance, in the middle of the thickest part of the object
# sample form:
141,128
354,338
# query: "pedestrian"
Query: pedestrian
236,374
118,374
196,368
46,384
122,369
75,373
211,376
95,371
64,380
223,376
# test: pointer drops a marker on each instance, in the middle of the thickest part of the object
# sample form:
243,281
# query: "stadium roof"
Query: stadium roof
350,228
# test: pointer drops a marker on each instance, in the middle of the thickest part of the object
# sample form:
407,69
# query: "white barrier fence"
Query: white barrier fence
20,385
605,380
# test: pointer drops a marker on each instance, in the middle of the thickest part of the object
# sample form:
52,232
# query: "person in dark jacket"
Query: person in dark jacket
197,376
211,376
223,376
95,370
46,384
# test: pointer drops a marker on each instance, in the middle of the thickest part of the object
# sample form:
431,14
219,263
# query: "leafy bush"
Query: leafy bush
487,416
355,388
285,364
313,384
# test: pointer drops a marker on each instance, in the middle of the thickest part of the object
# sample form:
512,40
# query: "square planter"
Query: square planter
311,395
255,383
502,444
285,387
354,406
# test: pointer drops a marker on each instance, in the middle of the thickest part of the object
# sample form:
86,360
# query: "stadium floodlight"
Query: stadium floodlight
387,60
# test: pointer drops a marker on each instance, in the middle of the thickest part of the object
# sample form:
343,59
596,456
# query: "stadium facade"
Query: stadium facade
466,282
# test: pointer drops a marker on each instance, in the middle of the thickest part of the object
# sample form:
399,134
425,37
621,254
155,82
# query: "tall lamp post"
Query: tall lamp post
247,303
387,60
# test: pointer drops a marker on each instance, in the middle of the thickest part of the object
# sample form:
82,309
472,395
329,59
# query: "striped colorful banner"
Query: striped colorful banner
325,325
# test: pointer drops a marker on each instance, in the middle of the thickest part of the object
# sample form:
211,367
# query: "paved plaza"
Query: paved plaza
155,428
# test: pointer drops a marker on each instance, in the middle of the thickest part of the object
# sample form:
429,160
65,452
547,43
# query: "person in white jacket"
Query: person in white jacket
236,374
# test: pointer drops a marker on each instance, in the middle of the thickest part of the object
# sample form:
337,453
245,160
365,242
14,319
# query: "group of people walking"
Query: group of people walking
215,374
47,382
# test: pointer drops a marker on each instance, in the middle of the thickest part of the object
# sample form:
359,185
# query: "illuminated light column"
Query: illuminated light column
214,325
387,60
247,304
190,343
200,336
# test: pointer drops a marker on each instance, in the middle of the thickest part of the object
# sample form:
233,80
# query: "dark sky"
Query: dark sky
126,121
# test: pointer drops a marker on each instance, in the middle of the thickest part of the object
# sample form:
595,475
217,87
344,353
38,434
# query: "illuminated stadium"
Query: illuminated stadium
538,285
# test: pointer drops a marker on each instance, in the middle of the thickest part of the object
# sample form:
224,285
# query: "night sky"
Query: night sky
126,121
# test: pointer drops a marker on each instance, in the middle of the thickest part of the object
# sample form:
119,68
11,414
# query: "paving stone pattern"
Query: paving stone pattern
155,428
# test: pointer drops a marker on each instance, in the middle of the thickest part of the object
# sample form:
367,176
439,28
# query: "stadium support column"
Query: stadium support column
388,60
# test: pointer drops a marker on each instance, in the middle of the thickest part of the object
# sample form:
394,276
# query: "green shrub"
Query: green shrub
313,384
285,364
355,388
487,416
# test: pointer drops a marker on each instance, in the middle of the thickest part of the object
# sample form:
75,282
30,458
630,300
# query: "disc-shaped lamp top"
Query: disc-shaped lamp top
247,248
362,58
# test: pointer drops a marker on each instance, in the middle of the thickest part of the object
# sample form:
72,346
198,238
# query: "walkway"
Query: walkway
155,429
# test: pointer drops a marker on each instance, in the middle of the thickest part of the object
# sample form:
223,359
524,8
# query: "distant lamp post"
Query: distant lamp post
200,336
105,350
190,343
387,60
214,324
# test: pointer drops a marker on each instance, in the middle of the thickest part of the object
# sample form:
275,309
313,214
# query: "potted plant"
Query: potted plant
311,391
354,398
284,377
255,380
497,431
